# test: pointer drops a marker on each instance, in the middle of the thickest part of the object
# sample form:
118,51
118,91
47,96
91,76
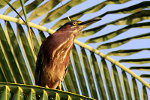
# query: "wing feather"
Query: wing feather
39,65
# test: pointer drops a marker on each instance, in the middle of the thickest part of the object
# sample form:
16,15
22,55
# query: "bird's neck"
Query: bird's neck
65,33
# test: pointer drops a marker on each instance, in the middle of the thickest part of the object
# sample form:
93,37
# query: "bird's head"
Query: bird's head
75,26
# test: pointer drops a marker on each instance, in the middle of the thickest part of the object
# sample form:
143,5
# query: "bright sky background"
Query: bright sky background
134,44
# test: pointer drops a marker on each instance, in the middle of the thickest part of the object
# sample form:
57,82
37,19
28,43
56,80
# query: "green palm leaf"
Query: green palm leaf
122,41
30,7
126,52
136,61
117,82
21,92
79,71
126,86
59,11
70,80
90,72
144,68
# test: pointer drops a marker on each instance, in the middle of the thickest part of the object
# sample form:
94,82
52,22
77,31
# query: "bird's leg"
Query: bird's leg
60,85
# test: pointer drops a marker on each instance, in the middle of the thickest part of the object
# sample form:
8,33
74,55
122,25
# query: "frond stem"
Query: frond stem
12,19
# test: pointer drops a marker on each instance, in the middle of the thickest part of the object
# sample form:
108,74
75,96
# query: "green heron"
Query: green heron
53,57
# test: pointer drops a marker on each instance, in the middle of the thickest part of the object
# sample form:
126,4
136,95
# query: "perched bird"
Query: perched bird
53,56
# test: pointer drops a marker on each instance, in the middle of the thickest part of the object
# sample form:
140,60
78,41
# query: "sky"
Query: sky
134,44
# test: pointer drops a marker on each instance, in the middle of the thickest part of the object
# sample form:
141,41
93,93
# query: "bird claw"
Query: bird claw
46,86
60,86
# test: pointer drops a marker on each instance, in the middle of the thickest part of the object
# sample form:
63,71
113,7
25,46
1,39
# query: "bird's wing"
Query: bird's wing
39,65
65,72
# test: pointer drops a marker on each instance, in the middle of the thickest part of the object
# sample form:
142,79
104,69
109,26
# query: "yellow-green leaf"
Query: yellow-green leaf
60,11
30,7
135,90
136,61
126,52
107,78
117,82
126,86
122,41
15,4
78,68
144,93
98,77
89,75
43,9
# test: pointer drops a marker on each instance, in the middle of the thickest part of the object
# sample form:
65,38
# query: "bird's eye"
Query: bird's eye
75,23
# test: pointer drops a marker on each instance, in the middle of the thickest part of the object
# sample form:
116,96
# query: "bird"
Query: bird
53,56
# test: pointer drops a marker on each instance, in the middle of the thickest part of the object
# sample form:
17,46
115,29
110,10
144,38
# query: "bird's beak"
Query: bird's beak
89,22
82,25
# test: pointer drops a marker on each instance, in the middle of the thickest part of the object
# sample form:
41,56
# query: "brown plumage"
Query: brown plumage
53,56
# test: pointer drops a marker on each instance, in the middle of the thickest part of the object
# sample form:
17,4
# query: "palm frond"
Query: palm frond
90,73
20,91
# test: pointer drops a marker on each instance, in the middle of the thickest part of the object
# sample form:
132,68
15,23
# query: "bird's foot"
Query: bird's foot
46,86
60,86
